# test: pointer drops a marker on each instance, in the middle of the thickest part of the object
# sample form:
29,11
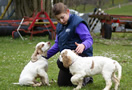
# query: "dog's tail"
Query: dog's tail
16,83
119,69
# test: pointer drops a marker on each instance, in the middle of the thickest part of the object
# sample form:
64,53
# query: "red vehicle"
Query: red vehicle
39,23
110,22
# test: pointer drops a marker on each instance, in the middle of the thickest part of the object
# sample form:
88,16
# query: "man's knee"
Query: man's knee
60,66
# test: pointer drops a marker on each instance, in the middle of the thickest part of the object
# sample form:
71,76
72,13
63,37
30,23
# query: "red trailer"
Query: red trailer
39,23
110,22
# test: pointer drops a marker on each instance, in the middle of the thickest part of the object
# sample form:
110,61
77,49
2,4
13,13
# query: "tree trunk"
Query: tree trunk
28,7
26,10
84,7
99,3
22,8
113,2
48,6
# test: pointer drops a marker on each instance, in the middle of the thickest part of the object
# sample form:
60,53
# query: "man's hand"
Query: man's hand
80,48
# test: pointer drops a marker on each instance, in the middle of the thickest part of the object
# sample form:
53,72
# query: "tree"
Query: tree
113,2
28,7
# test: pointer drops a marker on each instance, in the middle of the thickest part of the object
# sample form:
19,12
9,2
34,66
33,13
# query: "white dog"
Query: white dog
81,67
37,67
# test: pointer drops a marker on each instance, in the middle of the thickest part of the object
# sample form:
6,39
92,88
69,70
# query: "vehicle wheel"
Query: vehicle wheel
15,35
107,33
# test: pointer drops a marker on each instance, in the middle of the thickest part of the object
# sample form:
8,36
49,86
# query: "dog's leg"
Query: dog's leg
32,84
79,85
108,85
44,77
37,84
116,81
77,80
107,76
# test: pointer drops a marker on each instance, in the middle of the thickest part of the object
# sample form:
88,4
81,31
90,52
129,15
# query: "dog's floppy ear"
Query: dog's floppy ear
34,56
36,52
40,46
38,49
66,60
75,52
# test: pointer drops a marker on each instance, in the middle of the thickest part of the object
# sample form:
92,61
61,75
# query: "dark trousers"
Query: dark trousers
64,77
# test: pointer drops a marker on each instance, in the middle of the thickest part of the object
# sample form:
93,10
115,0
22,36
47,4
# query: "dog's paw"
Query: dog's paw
105,89
48,85
75,89
37,84
53,81
34,60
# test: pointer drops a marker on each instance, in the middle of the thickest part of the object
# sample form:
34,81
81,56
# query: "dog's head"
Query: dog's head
42,47
66,57
40,50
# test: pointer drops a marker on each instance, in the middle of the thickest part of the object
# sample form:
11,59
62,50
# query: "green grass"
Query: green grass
15,54
126,7
108,4
124,10
89,8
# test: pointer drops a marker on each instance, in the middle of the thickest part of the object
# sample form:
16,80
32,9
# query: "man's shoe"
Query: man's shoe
87,80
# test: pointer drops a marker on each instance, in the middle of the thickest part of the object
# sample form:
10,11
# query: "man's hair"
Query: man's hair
59,8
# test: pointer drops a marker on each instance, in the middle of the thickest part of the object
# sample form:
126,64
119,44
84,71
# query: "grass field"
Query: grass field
123,10
108,5
15,54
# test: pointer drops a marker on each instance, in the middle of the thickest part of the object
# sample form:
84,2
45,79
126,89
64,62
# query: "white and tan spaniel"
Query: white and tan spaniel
37,67
81,67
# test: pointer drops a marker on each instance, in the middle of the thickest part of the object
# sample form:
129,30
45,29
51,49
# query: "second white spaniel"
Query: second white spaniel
81,67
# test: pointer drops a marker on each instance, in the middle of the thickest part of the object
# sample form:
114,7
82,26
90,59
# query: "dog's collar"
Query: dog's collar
45,57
